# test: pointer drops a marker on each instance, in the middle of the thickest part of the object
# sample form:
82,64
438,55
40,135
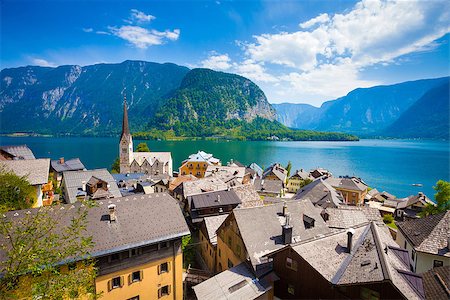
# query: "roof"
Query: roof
235,283
179,180
202,185
255,167
320,193
345,218
235,163
261,227
238,172
277,170
202,156
36,170
428,234
73,180
141,220
302,175
248,195
374,258
413,199
73,164
268,186
211,225
436,283
125,128
152,157
129,177
212,199
353,184
18,151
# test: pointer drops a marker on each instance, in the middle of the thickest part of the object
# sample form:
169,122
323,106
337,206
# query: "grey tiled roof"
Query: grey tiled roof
141,220
371,260
235,283
18,151
302,175
212,199
353,184
428,234
319,192
208,184
261,227
268,186
345,218
277,170
248,195
212,224
73,180
436,283
36,170
73,164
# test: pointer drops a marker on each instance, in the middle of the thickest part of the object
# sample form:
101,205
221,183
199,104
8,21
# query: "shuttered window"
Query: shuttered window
116,282
164,291
164,268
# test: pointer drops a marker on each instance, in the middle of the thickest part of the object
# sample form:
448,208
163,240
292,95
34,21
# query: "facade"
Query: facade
412,206
208,240
427,241
353,190
275,172
58,166
151,163
197,164
361,263
298,180
137,245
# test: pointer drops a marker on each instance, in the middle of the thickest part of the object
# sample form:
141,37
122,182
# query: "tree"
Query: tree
115,167
305,182
288,168
15,191
35,244
442,198
142,147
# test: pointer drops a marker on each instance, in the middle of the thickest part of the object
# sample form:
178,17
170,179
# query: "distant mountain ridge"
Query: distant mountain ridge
369,111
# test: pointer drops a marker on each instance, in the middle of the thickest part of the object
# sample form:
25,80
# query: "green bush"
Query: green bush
388,219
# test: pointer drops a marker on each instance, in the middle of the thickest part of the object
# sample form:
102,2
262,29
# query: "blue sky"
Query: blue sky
296,51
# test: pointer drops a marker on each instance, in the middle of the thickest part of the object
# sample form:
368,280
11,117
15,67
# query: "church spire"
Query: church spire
125,128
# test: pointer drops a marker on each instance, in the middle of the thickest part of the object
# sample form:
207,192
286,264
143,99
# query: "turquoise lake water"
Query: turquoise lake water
391,165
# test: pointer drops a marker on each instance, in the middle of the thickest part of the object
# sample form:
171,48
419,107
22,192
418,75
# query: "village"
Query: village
210,229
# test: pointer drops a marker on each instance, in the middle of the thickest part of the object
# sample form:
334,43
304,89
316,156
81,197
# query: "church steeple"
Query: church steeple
125,128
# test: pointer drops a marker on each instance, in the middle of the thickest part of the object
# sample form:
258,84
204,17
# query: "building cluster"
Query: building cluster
257,233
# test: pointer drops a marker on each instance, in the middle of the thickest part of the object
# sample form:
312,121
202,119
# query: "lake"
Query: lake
391,165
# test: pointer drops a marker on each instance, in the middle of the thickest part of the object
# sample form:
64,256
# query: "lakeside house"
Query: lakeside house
427,241
352,189
275,172
298,180
16,152
36,172
151,163
320,193
197,164
137,245
59,166
320,172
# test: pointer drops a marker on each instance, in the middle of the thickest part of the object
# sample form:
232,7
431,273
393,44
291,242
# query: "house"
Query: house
275,172
16,152
208,240
353,190
436,283
88,184
36,173
270,188
413,205
247,234
359,263
345,217
57,167
236,173
236,283
257,170
136,245
427,241
195,187
298,180
211,204
162,185
197,164
320,172
177,181
152,163
145,187
320,193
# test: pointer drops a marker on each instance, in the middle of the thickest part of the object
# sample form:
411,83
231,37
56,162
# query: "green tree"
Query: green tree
142,147
115,167
35,245
388,218
188,249
15,191
305,182
442,198
288,169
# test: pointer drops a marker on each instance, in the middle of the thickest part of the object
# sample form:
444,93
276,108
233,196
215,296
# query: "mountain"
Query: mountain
296,115
363,111
83,100
428,117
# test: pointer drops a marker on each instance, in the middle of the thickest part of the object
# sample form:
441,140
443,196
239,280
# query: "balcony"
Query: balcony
48,187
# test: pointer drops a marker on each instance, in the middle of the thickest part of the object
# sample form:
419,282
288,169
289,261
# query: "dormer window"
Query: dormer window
308,222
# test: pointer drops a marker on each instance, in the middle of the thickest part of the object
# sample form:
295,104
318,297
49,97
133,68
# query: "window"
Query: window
437,263
183,173
164,268
238,250
198,173
136,276
405,245
229,241
220,253
291,289
291,264
164,291
413,254
230,264
116,282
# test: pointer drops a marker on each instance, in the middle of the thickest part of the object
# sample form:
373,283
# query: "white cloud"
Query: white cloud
143,38
322,18
88,29
42,62
140,17
254,71
215,61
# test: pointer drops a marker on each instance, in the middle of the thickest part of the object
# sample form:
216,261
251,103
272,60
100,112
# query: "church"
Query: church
151,163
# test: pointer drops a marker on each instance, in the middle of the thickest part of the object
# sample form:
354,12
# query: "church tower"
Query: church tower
126,143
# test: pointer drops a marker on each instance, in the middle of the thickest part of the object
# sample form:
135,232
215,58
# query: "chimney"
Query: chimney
112,213
285,209
350,233
83,186
61,160
286,233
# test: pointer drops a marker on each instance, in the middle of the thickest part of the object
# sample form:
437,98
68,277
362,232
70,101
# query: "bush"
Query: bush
388,219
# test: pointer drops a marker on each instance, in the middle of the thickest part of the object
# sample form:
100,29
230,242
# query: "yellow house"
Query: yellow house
298,180
208,240
198,163
353,189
